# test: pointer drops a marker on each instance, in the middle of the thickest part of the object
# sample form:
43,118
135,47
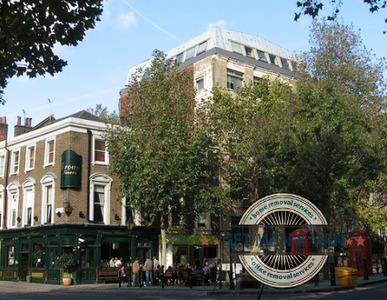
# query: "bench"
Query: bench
109,275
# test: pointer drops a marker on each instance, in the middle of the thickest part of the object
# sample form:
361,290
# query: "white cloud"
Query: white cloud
219,23
127,20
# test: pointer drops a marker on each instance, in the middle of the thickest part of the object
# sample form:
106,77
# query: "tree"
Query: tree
161,151
247,124
313,8
324,140
104,114
339,113
29,30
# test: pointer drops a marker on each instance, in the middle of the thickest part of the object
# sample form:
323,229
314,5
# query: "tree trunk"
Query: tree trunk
163,232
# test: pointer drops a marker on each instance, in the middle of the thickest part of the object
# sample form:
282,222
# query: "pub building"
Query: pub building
56,196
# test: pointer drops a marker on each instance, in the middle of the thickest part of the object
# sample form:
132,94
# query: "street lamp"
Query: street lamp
130,224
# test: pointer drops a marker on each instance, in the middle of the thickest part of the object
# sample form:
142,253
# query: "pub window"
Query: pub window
234,79
48,192
13,204
28,201
30,158
15,159
49,156
2,165
99,202
100,151
10,256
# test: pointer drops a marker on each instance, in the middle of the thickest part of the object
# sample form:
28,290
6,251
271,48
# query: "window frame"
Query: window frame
100,179
2,165
13,189
235,75
199,87
13,162
97,138
202,47
236,47
28,186
47,152
190,53
48,180
28,157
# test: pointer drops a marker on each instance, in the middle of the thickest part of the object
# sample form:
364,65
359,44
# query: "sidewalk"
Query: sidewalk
324,286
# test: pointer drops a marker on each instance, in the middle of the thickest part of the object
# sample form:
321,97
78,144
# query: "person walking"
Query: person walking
136,271
121,275
148,267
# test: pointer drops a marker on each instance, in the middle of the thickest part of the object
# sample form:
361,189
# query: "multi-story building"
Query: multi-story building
230,59
56,196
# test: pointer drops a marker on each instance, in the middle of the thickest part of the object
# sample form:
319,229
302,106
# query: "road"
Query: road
378,291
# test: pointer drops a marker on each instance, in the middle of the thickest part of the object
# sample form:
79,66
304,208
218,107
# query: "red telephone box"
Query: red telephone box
302,242
360,250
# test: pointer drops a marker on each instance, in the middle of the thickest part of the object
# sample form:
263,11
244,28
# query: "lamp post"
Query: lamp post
130,225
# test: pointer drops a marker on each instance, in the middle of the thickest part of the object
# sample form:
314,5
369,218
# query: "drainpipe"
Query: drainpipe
89,155
5,199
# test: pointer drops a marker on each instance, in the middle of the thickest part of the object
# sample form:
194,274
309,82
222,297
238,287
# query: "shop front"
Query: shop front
34,251
189,249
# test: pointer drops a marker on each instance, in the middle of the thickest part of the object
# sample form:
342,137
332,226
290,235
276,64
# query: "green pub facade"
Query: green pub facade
56,197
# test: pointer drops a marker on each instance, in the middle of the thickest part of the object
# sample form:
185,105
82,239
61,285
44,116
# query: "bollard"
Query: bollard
365,269
333,275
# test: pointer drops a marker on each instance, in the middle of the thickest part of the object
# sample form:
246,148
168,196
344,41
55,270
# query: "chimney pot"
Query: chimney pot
18,120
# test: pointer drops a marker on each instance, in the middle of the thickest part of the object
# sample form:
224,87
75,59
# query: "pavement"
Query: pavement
323,286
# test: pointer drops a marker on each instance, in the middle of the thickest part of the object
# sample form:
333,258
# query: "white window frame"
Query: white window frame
13,162
2,197
47,153
48,180
28,186
94,161
3,158
13,191
104,180
28,157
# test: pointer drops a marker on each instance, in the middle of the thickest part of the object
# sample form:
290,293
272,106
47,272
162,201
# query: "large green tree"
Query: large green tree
324,139
162,150
29,30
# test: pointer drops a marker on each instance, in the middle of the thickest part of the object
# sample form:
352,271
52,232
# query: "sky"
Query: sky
130,30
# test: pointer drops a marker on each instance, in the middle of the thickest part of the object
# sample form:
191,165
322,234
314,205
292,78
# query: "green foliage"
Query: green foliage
67,262
247,124
162,149
104,114
324,139
30,29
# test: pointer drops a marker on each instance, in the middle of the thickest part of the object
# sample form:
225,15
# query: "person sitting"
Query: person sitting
206,271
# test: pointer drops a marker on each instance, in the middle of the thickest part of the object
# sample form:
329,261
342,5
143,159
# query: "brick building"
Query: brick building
230,59
56,196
